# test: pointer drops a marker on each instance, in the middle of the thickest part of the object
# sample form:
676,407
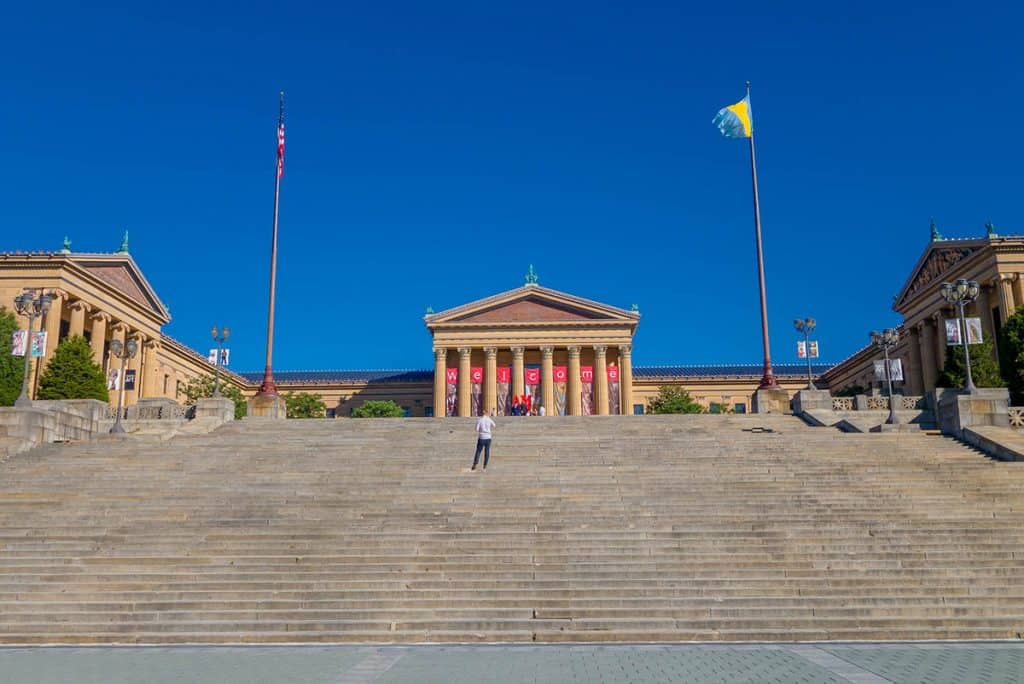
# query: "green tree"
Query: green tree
984,369
378,409
202,388
304,405
72,374
673,400
1011,354
12,368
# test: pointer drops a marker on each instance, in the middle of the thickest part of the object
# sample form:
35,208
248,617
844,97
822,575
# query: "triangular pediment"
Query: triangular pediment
122,274
531,304
940,258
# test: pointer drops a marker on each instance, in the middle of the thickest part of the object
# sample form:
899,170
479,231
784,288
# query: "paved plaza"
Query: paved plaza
862,663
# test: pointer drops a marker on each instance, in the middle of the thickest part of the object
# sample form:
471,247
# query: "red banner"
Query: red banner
532,376
476,374
587,373
504,374
451,376
561,373
613,373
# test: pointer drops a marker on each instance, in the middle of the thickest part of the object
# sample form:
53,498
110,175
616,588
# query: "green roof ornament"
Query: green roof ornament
430,310
990,230
123,249
635,309
935,231
66,246
531,276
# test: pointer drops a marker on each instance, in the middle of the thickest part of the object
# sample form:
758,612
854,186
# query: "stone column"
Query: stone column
77,324
118,331
913,374
939,323
547,379
465,400
626,378
490,380
1018,289
517,371
925,338
150,382
98,337
136,363
1006,299
988,323
440,381
575,390
601,373
53,317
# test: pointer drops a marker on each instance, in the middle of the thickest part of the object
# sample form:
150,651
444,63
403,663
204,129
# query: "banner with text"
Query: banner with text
587,389
613,390
18,343
895,369
561,378
531,379
504,377
953,331
476,391
451,392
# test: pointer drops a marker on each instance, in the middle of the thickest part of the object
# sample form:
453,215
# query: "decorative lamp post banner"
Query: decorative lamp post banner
451,392
476,393
801,349
587,388
895,370
38,343
129,379
974,335
504,377
813,348
560,374
531,377
613,390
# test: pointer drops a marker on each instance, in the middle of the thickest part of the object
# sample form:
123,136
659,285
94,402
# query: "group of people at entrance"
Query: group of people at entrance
524,406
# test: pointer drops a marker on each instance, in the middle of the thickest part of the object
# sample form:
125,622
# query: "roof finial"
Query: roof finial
123,249
66,247
430,310
990,230
531,276
935,231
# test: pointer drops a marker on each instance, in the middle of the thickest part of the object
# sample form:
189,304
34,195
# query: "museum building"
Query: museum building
532,344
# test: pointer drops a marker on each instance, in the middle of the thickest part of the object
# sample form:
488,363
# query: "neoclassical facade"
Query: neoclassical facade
995,261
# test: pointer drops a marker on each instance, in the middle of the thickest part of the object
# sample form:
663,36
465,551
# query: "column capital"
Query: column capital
491,352
139,335
58,293
441,353
117,327
518,351
625,349
600,348
464,352
1008,277
100,316
80,305
547,352
574,350
151,345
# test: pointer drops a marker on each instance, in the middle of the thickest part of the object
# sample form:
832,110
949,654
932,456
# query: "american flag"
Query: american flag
280,147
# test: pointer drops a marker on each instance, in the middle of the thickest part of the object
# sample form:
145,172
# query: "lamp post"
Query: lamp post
806,326
886,340
123,351
961,293
220,338
32,306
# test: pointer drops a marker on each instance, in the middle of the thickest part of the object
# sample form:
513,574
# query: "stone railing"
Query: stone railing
843,404
1016,414
168,411
878,403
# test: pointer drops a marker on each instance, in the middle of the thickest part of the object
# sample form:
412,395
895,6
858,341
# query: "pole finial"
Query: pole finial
936,235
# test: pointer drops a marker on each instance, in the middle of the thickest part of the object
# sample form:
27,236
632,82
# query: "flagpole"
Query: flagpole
768,379
268,386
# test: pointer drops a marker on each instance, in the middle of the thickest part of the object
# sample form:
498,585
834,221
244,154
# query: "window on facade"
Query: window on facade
740,408
177,389
428,411
331,413
406,412
167,381
638,409
715,407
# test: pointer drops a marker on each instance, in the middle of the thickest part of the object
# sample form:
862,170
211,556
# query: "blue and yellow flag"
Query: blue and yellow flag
735,121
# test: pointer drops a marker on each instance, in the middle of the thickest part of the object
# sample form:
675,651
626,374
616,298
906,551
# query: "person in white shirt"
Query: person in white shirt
483,440
541,411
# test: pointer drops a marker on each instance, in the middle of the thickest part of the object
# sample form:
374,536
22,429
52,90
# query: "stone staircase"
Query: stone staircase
661,528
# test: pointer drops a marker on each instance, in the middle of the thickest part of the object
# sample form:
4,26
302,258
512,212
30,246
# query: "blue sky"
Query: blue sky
436,149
